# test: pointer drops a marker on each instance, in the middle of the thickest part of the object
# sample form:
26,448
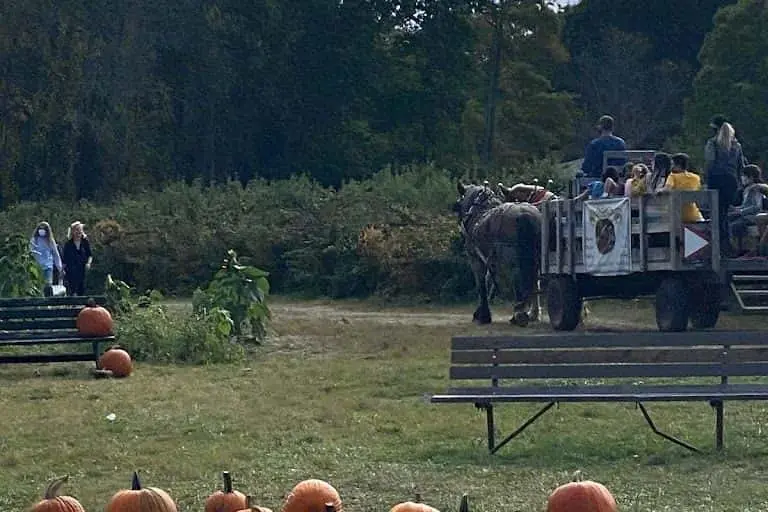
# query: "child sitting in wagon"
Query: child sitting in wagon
745,215
680,178
607,186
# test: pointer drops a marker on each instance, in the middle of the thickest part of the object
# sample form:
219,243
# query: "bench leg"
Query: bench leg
492,447
96,354
490,425
719,423
662,434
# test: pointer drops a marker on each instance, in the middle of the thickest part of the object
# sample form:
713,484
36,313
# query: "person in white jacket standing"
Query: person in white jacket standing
45,251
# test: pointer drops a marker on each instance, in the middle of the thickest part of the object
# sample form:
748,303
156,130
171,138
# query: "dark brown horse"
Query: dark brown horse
503,244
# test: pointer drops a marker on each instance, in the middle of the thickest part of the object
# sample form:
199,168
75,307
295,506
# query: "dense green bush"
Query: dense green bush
158,333
310,239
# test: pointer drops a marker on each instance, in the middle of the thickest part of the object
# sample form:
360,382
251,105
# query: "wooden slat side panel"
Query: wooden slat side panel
50,301
53,340
586,371
24,335
35,313
46,358
43,324
614,339
597,356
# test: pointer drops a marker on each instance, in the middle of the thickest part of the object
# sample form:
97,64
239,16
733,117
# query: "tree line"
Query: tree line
102,99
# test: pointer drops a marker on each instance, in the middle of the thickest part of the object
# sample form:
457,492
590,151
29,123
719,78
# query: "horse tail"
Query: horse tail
528,248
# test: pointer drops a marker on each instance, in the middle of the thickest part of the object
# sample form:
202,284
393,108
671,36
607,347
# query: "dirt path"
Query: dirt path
627,315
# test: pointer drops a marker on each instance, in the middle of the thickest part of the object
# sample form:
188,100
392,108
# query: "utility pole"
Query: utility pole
493,86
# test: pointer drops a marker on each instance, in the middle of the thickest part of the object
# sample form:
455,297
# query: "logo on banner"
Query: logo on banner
607,236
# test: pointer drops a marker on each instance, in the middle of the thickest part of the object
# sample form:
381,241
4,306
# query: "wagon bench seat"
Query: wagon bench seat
607,367
46,321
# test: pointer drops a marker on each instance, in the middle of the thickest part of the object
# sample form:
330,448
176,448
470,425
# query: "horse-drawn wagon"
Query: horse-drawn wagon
627,247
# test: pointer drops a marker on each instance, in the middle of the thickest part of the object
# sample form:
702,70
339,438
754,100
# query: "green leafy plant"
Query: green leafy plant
118,294
241,290
20,275
155,333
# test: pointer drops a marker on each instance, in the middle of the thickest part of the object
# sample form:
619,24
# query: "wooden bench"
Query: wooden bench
46,321
530,363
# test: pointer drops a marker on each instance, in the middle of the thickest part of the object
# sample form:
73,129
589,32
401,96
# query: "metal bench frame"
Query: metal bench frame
716,354
46,321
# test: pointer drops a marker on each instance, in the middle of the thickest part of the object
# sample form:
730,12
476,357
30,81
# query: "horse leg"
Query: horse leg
526,282
534,312
482,314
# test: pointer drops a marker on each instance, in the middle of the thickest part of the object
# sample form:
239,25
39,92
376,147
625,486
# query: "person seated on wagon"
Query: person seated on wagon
680,178
662,163
745,215
606,186
637,184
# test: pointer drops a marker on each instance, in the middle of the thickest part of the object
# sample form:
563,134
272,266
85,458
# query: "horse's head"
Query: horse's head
474,198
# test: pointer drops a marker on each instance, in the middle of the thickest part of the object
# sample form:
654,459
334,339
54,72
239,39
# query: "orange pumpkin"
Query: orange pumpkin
138,499
52,502
227,500
581,496
250,507
313,496
94,320
409,506
117,360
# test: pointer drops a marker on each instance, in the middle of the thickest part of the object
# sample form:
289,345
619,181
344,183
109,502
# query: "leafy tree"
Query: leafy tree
733,79
634,60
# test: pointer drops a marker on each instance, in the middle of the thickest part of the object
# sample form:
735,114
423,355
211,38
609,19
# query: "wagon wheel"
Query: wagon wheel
705,299
563,303
672,305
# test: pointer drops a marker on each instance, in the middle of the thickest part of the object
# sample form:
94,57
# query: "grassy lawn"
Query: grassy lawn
338,393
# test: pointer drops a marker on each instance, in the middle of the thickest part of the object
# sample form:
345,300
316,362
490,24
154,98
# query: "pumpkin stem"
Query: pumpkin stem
418,497
227,482
136,483
577,476
91,303
464,506
52,491
330,507
249,502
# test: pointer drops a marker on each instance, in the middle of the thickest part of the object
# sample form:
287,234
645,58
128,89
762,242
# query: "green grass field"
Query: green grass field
337,393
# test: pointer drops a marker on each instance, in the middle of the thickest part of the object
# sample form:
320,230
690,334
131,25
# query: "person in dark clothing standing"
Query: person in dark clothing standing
724,162
607,141
77,259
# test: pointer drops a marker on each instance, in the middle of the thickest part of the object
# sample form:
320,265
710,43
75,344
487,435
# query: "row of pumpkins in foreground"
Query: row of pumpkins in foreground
307,496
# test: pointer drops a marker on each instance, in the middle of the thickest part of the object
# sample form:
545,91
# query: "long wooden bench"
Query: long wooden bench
29,321
554,368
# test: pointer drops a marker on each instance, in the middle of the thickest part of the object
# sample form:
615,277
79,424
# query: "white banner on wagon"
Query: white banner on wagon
607,236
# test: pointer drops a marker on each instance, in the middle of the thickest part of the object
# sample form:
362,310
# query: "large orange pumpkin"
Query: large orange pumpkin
138,499
312,496
116,360
52,502
94,320
227,500
581,496
251,507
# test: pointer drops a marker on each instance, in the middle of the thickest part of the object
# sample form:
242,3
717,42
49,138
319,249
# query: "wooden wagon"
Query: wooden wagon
631,247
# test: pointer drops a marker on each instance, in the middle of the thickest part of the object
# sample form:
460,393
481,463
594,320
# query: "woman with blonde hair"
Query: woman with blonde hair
43,247
77,258
724,162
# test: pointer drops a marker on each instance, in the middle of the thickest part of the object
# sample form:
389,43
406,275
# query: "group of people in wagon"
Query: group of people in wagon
742,195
